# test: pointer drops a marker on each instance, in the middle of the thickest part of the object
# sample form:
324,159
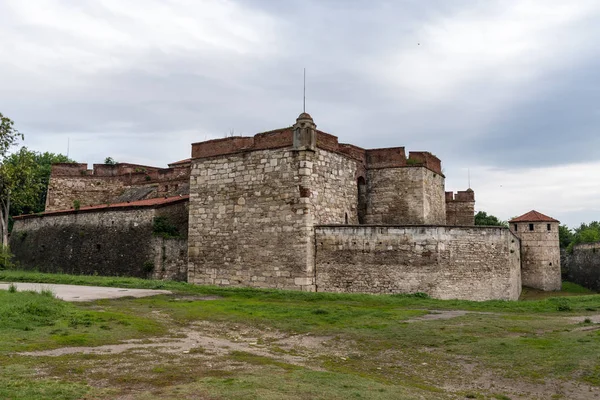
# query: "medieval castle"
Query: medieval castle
290,208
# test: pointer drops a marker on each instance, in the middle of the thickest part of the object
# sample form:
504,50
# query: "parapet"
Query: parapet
463,196
80,169
125,172
392,157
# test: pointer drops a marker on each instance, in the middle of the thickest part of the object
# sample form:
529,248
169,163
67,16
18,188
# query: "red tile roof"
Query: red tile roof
156,202
533,216
187,160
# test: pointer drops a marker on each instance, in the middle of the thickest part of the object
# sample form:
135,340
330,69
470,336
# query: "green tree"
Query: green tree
110,161
565,236
9,137
482,218
585,233
31,172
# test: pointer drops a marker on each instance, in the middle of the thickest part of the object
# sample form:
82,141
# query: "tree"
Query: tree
565,236
30,171
110,161
482,218
9,137
585,233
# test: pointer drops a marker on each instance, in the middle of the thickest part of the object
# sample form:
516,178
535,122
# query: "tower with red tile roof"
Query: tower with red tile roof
540,252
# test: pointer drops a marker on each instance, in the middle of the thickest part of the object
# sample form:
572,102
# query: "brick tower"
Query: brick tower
540,252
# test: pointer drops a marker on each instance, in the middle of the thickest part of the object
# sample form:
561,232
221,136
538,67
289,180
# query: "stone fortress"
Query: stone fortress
293,209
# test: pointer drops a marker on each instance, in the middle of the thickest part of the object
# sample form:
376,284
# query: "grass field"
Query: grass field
223,343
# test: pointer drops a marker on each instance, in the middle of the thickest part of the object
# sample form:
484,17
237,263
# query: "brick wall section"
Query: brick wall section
405,195
105,242
251,219
583,266
445,262
106,183
540,255
460,208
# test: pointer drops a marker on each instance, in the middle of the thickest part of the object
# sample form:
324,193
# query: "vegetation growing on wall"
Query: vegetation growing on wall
161,226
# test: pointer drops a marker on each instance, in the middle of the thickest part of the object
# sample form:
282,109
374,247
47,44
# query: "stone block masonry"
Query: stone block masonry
108,183
251,219
460,208
583,266
471,263
116,240
540,252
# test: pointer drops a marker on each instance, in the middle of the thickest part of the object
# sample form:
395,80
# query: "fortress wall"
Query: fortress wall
251,219
334,189
69,182
405,195
434,202
460,208
583,266
89,190
106,242
445,262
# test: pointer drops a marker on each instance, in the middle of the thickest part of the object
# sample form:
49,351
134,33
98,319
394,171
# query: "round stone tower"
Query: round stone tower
540,251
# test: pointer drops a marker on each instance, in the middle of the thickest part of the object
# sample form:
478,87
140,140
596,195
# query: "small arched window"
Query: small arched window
346,218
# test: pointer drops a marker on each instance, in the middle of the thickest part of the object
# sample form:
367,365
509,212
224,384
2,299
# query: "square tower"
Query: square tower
540,251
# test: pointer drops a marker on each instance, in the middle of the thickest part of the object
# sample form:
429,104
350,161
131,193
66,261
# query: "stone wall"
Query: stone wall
170,258
460,208
111,183
405,195
105,242
540,254
479,263
334,189
583,266
251,219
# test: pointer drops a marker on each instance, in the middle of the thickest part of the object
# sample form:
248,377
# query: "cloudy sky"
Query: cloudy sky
508,90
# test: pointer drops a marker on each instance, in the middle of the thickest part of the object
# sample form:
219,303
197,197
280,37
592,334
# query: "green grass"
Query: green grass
36,321
369,349
547,304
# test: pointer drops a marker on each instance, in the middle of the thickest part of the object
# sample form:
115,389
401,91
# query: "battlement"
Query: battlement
463,196
81,169
392,157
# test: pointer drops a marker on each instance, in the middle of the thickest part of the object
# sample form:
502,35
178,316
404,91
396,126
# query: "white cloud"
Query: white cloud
564,192
504,42
102,35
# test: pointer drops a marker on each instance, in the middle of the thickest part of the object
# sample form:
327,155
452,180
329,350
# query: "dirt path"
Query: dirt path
83,293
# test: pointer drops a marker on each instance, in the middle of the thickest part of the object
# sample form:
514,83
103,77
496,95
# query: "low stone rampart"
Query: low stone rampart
117,242
583,265
471,263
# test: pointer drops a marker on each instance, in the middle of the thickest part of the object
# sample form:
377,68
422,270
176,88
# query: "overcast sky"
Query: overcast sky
507,89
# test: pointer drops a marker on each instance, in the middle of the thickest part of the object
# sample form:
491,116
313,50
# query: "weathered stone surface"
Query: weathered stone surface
540,254
105,242
112,184
460,208
445,262
583,266
405,195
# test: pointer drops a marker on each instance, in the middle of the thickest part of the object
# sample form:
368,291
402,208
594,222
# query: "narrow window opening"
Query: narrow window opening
530,227
549,227
515,227
346,218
